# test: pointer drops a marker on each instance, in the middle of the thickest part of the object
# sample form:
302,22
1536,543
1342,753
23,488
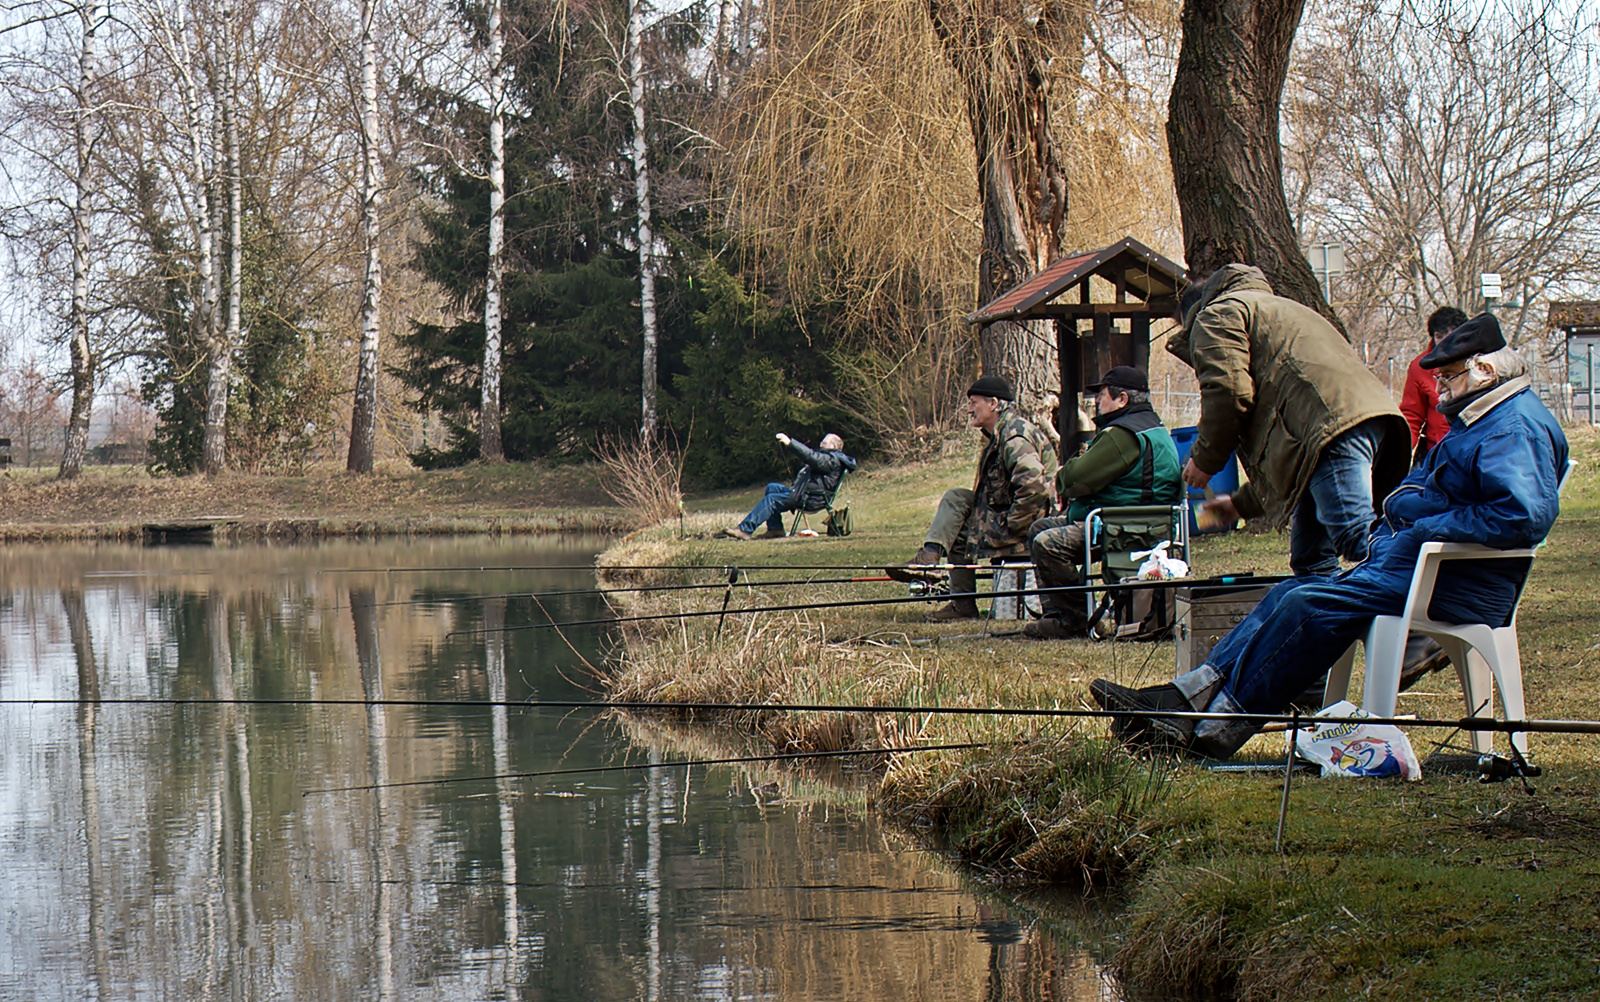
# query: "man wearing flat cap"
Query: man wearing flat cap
1131,460
1493,480
1014,487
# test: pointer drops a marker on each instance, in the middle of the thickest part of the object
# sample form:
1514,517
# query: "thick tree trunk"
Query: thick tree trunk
1222,131
1001,55
364,413
489,444
85,363
647,240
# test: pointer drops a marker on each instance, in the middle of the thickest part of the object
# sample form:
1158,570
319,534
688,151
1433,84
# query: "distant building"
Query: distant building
1580,322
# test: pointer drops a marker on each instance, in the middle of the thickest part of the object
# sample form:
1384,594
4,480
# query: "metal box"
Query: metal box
1203,615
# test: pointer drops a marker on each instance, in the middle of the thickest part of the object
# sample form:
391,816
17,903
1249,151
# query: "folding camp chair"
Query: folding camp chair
837,522
1113,535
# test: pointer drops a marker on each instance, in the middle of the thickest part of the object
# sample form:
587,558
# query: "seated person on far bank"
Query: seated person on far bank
1492,480
1131,460
812,488
1012,490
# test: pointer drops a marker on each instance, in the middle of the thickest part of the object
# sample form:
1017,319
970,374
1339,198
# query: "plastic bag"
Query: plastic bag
1158,566
1356,749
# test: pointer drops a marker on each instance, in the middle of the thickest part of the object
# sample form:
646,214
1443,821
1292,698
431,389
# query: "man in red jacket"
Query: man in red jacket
1420,401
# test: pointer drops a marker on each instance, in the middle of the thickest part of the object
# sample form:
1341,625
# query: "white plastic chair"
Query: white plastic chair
1479,651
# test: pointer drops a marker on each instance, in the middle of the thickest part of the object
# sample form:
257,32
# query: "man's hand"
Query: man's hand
1218,513
1194,476
783,439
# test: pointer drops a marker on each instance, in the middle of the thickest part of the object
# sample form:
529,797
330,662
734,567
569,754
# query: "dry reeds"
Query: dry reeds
643,476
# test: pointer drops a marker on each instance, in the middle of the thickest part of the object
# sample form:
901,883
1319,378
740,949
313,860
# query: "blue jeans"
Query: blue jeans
1287,642
1334,516
778,499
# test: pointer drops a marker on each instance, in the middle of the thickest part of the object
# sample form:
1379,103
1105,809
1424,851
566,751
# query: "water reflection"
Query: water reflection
171,851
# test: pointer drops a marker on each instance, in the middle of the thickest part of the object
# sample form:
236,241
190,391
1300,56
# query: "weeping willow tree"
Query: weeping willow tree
907,160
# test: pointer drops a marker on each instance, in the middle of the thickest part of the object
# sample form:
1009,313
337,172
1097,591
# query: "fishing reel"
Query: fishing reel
929,589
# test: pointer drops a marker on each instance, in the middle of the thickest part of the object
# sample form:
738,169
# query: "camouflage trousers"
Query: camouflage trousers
955,527
1056,545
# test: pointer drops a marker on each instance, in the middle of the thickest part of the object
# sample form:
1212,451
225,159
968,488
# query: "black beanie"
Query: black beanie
992,386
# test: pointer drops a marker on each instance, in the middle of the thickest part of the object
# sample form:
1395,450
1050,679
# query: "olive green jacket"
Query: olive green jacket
1015,484
1277,384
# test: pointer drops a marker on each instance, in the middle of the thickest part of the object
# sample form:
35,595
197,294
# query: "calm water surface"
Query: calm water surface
180,851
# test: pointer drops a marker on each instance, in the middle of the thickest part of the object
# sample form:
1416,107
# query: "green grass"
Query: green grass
1442,888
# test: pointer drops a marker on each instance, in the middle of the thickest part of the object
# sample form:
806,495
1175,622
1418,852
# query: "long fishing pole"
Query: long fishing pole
1537,725
718,568
646,766
747,583
1226,581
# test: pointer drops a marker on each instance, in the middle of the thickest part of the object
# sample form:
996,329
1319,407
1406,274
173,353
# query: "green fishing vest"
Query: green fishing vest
1156,478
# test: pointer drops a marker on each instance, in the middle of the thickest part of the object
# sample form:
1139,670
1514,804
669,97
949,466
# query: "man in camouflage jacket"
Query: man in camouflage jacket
1015,485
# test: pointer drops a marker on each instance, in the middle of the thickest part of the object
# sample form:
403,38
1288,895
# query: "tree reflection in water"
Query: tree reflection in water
169,852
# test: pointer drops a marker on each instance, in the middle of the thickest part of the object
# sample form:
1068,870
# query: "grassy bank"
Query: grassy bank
116,502
1442,888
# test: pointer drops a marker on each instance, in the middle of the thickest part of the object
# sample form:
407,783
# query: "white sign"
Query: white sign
1490,281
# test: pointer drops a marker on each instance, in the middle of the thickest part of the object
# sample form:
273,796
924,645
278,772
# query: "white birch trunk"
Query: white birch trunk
219,368
489,444
719,52
364,415
84,361
647,248
213,451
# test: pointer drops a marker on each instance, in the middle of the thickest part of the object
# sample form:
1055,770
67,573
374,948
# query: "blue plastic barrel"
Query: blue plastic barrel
1225,482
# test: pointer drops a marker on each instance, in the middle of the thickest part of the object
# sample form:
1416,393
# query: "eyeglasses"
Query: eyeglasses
1441,376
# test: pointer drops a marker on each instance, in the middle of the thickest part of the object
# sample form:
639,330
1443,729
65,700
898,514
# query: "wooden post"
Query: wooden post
1140,326
1067,353
1102,345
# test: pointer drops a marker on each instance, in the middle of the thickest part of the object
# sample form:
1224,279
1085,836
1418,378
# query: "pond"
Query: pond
174,719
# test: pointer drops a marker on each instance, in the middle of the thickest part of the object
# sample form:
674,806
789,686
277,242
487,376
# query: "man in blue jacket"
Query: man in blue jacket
812,489
1493,480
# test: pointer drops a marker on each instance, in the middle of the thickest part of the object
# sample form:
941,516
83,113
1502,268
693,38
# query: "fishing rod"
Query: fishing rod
747,583
1532,726
646,766
719,568
1224,581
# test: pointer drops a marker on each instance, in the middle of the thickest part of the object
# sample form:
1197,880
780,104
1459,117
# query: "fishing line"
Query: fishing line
646,766
1229,581
1539,726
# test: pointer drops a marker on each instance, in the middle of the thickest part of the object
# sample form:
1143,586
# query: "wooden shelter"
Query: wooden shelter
1091,336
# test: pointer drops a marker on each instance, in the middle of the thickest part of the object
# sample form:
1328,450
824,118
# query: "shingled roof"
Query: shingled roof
1141,270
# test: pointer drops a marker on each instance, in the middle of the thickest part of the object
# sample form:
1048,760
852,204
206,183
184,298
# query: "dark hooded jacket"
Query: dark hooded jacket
817,481
1277,384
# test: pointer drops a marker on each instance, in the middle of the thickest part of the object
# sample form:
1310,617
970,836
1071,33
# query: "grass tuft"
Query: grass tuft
1061,810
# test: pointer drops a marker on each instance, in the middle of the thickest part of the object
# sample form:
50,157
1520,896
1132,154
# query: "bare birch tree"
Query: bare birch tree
85,359
489,444
364,413
639,154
